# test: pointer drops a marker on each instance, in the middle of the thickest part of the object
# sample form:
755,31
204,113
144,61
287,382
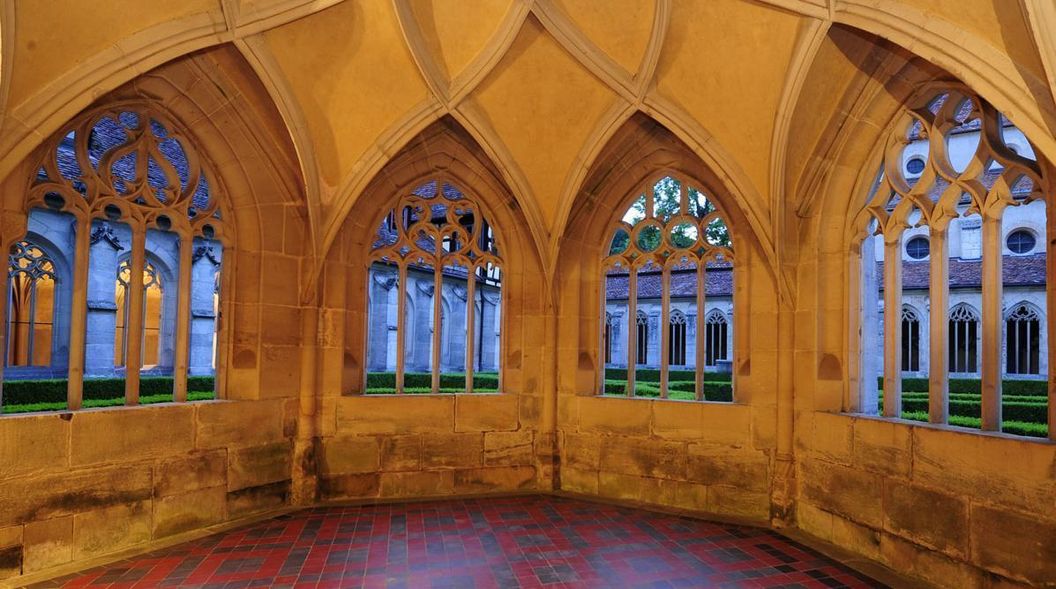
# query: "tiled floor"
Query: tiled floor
499,542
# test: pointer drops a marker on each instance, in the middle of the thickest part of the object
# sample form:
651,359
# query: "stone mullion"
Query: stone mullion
471,310
1050,307
991,318
134,305
5,314
665,329
893,326
632,327
78,314
938,328
702,274
183,319
221,333
401,326
438,285
32,329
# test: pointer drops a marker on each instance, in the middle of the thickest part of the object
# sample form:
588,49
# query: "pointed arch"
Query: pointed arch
444,154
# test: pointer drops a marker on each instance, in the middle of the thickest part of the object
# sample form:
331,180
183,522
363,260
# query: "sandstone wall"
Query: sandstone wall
681,454
84,484
956,508
415,446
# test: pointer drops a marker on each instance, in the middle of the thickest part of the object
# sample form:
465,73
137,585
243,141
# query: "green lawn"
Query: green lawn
421,383
112,402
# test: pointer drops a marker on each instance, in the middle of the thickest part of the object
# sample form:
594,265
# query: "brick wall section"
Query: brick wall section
85,484
681,454
425,446
956,508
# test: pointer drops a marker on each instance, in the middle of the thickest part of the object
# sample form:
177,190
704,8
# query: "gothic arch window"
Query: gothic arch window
670,247
435,248
910,340
115,184
969,184
152,293
1023,340
641,325
677,357
31,279
716,336
964,339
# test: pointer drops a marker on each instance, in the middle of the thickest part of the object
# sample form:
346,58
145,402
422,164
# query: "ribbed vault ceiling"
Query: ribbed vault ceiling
541,85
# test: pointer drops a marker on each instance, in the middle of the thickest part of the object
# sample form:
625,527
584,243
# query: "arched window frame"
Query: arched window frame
892,200
641,332
668,257
963,343
193,208
716,333
477,252
677,352
910,339
31,260
1035,344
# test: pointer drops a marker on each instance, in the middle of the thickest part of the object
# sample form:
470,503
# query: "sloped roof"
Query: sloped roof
1015,270
718,282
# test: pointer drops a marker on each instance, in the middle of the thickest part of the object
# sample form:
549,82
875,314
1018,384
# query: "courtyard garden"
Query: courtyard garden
23,396
1024,404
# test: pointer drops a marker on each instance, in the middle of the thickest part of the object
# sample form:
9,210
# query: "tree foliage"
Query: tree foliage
666,204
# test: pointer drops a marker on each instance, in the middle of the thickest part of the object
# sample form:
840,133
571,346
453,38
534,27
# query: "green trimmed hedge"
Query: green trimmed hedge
713,391
1010,410
26,392
1019,428
423,391
110,402
1032,388
653,375
385,382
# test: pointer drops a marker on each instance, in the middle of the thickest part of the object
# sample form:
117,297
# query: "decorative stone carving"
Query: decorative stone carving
104,232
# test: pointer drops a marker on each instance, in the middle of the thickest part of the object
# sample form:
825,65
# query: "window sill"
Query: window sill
733,403
420,395
955,429
68,413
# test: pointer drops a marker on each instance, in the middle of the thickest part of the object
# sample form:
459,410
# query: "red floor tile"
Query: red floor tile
506,543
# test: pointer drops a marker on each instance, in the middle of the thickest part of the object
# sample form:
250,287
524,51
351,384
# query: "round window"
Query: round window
1021,241
915,166
918,248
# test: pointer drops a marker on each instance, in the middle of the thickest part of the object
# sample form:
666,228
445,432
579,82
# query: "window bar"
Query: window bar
401,326
991,311
471,287
78,314
438,285
183,320
702,274
939,290
632,327
134,304
1050,307
221,333
12,326
5,313
893,326
32,329
665,328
